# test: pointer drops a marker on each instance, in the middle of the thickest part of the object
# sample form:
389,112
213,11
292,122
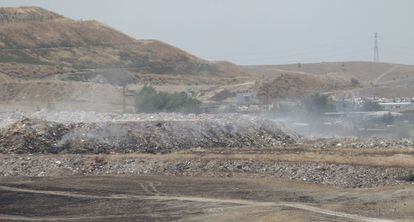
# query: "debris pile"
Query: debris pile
148,134
8,118
342,175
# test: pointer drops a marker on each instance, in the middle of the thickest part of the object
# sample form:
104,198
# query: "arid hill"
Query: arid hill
368,72
366,78
34,36
22,14
298,85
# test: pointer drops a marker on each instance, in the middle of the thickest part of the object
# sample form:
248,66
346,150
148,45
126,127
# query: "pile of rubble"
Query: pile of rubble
161,133
342,175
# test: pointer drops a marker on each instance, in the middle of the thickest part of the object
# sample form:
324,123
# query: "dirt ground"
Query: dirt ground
298,185
162,198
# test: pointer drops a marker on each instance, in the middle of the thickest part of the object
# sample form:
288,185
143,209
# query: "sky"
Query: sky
251,32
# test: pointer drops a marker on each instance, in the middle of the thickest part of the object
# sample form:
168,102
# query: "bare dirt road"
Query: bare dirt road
179,199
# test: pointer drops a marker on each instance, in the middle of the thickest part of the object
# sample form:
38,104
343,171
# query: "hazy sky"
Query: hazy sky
258,31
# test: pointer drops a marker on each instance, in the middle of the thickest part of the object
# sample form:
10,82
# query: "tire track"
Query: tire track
385,73
179,198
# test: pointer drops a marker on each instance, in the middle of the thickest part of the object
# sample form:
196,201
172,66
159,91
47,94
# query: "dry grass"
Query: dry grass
398,160
91,44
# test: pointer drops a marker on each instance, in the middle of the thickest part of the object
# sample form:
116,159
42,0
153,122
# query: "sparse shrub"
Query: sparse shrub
355,82
148,100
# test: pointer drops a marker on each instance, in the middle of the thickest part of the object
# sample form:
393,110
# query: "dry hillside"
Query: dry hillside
46,58
375,79
27,14
38,37
298,85
368,72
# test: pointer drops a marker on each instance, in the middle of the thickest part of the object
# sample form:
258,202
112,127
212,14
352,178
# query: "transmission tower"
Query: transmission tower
376,51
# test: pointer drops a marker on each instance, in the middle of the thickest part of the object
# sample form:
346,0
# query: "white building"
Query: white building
397,106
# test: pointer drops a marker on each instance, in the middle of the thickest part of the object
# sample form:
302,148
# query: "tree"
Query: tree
148,100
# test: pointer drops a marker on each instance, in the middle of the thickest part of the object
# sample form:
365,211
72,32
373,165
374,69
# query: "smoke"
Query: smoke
357,124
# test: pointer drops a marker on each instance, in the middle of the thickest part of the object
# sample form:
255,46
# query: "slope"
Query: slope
38,37
368,72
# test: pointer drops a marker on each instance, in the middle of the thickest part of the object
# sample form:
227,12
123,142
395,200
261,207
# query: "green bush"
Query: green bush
148,100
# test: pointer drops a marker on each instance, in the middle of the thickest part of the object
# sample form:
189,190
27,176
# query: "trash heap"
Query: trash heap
145,133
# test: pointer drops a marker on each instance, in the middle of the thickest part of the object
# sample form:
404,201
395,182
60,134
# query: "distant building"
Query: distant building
397,106
358,114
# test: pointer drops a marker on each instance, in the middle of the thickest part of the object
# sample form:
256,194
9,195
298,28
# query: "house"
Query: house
397,106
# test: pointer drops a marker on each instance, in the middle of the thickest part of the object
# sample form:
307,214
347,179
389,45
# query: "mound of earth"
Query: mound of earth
147,135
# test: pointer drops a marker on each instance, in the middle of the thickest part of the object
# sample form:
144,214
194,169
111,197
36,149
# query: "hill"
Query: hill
34,36
366,78
368,72
22,14
298,85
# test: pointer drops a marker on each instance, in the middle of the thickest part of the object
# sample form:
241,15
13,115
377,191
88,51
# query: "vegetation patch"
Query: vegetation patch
148,100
